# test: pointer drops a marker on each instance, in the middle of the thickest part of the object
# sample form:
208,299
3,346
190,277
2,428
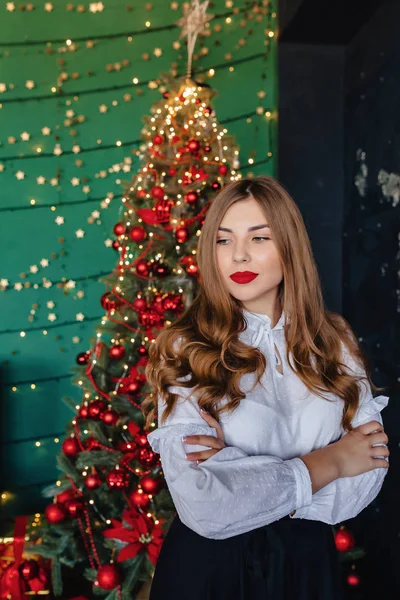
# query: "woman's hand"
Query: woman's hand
355,452
216,443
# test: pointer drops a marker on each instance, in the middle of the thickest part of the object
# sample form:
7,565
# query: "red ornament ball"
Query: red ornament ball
74,507
222,169
116,352
139,498
115,245
96,409
207,148
107,303
108,577
142,350
141,193
119,229
147,457
139,304
54,513
92,482
157,140
66,495
353,579
137,233
344,540
216,185
117,479
171,171
133,388
70,447
28,569
194,146
191,197
82,358
150,485
157,192
181,235
142,267
110,417
83,412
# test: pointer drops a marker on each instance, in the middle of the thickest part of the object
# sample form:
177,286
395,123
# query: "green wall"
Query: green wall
246,84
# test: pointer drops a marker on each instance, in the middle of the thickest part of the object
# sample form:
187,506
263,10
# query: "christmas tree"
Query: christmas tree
111,509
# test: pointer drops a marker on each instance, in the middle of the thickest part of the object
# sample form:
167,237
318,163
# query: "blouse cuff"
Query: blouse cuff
303,482
178,430
369,409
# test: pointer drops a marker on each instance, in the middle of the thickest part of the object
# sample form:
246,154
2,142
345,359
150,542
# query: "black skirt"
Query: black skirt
289,559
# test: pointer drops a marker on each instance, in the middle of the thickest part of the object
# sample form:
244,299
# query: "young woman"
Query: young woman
292,441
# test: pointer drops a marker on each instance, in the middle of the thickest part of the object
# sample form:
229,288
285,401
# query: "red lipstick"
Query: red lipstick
243,276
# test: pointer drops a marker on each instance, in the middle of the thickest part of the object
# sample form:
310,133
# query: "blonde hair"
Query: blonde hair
203,342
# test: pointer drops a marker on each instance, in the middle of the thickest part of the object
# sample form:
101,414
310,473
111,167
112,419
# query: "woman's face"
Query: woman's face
242,250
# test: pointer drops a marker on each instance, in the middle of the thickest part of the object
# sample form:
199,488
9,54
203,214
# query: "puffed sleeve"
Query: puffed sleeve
346,497
230,492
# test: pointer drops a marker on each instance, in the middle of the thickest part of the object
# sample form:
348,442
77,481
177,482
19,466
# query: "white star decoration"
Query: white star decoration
193,23
59,220
4,283
20,175
80,233
52,317
195,18
50,304
25,136
46,130
44,262
108,243
80,317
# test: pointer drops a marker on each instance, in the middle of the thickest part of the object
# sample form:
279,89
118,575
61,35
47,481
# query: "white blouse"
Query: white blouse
259,478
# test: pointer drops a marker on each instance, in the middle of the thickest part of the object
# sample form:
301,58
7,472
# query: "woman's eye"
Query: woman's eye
254,238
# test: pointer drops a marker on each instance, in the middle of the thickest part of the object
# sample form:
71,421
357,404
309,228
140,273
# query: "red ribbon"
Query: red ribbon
10,584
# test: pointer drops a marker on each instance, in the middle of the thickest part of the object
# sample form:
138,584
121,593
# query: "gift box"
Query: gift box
22,575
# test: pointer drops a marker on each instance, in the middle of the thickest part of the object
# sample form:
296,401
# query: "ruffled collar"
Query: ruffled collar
259,327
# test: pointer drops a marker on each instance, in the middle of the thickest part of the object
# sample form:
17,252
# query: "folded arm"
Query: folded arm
346,497
230,492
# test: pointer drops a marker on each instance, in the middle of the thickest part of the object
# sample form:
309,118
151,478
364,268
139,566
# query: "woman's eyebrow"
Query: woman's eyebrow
249,229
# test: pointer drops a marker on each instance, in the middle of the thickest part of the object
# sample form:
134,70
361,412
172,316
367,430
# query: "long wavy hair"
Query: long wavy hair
203,344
